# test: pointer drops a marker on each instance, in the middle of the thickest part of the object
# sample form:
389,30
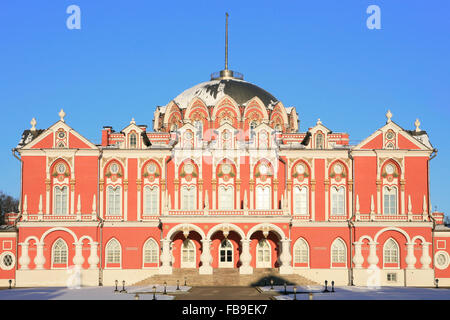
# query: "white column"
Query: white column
93,257
245,258
373,258
79,208
94,208
410,258
425,260
286,257
78,259
39,260
166,257
275,197
40,217
313,203
206,258
358,258
24,259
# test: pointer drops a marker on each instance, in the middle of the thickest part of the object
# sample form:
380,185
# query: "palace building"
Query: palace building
225,179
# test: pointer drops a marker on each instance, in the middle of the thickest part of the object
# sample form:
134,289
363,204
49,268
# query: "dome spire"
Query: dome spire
226,73
226,40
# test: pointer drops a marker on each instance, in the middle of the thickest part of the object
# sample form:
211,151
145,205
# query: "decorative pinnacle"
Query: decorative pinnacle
389,116
132,121
33,124
318,122
417,124
62,114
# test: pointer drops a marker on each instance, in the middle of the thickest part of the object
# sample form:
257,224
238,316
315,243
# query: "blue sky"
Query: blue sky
318,56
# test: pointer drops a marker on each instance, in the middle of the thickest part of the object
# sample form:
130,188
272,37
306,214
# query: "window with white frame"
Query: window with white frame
133,141
300,200
188,198
337,201
390,252
338,251
60,200
226,198
151,200
114,200
199,129
301,251
390,200
263,198
59,252
150,251
113,252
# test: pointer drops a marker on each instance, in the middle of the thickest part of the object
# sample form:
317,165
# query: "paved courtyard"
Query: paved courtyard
225,293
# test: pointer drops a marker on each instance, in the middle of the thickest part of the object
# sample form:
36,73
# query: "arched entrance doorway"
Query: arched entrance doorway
188,254
226,254
263,254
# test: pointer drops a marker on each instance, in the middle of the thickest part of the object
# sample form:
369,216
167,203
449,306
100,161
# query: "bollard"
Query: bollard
285,291
10,282
185,281
165,286
154,293
436,282
326,286
178,284
295,293
332,286
123,287
271,284
310,296
115,291
136,297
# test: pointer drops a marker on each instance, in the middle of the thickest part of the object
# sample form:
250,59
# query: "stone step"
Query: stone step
226,277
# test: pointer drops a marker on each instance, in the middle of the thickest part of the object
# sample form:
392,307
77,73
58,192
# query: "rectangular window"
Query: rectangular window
392,277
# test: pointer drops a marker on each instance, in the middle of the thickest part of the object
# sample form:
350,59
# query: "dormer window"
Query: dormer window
133,141
319,141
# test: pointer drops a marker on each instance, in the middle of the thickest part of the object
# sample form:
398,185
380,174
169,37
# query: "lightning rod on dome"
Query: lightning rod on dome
226,40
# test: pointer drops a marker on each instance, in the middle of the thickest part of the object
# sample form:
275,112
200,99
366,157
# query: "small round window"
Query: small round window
151,168
114,168
61,134
442,260
300,169
61,168
7,260
338,169
390,169
188,168
390,135
226,168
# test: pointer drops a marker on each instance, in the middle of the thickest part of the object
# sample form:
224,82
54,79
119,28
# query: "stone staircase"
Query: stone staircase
226,277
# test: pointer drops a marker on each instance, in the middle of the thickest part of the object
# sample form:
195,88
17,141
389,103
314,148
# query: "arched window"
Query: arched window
338,251
263,198
188,198
253,125
133,141
151,200
114,200
60,200
390,200
319,141
59,252
113,252
263,254
338,201
301,251
300,200
226,198
390,252
263,140
150,251
173,127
